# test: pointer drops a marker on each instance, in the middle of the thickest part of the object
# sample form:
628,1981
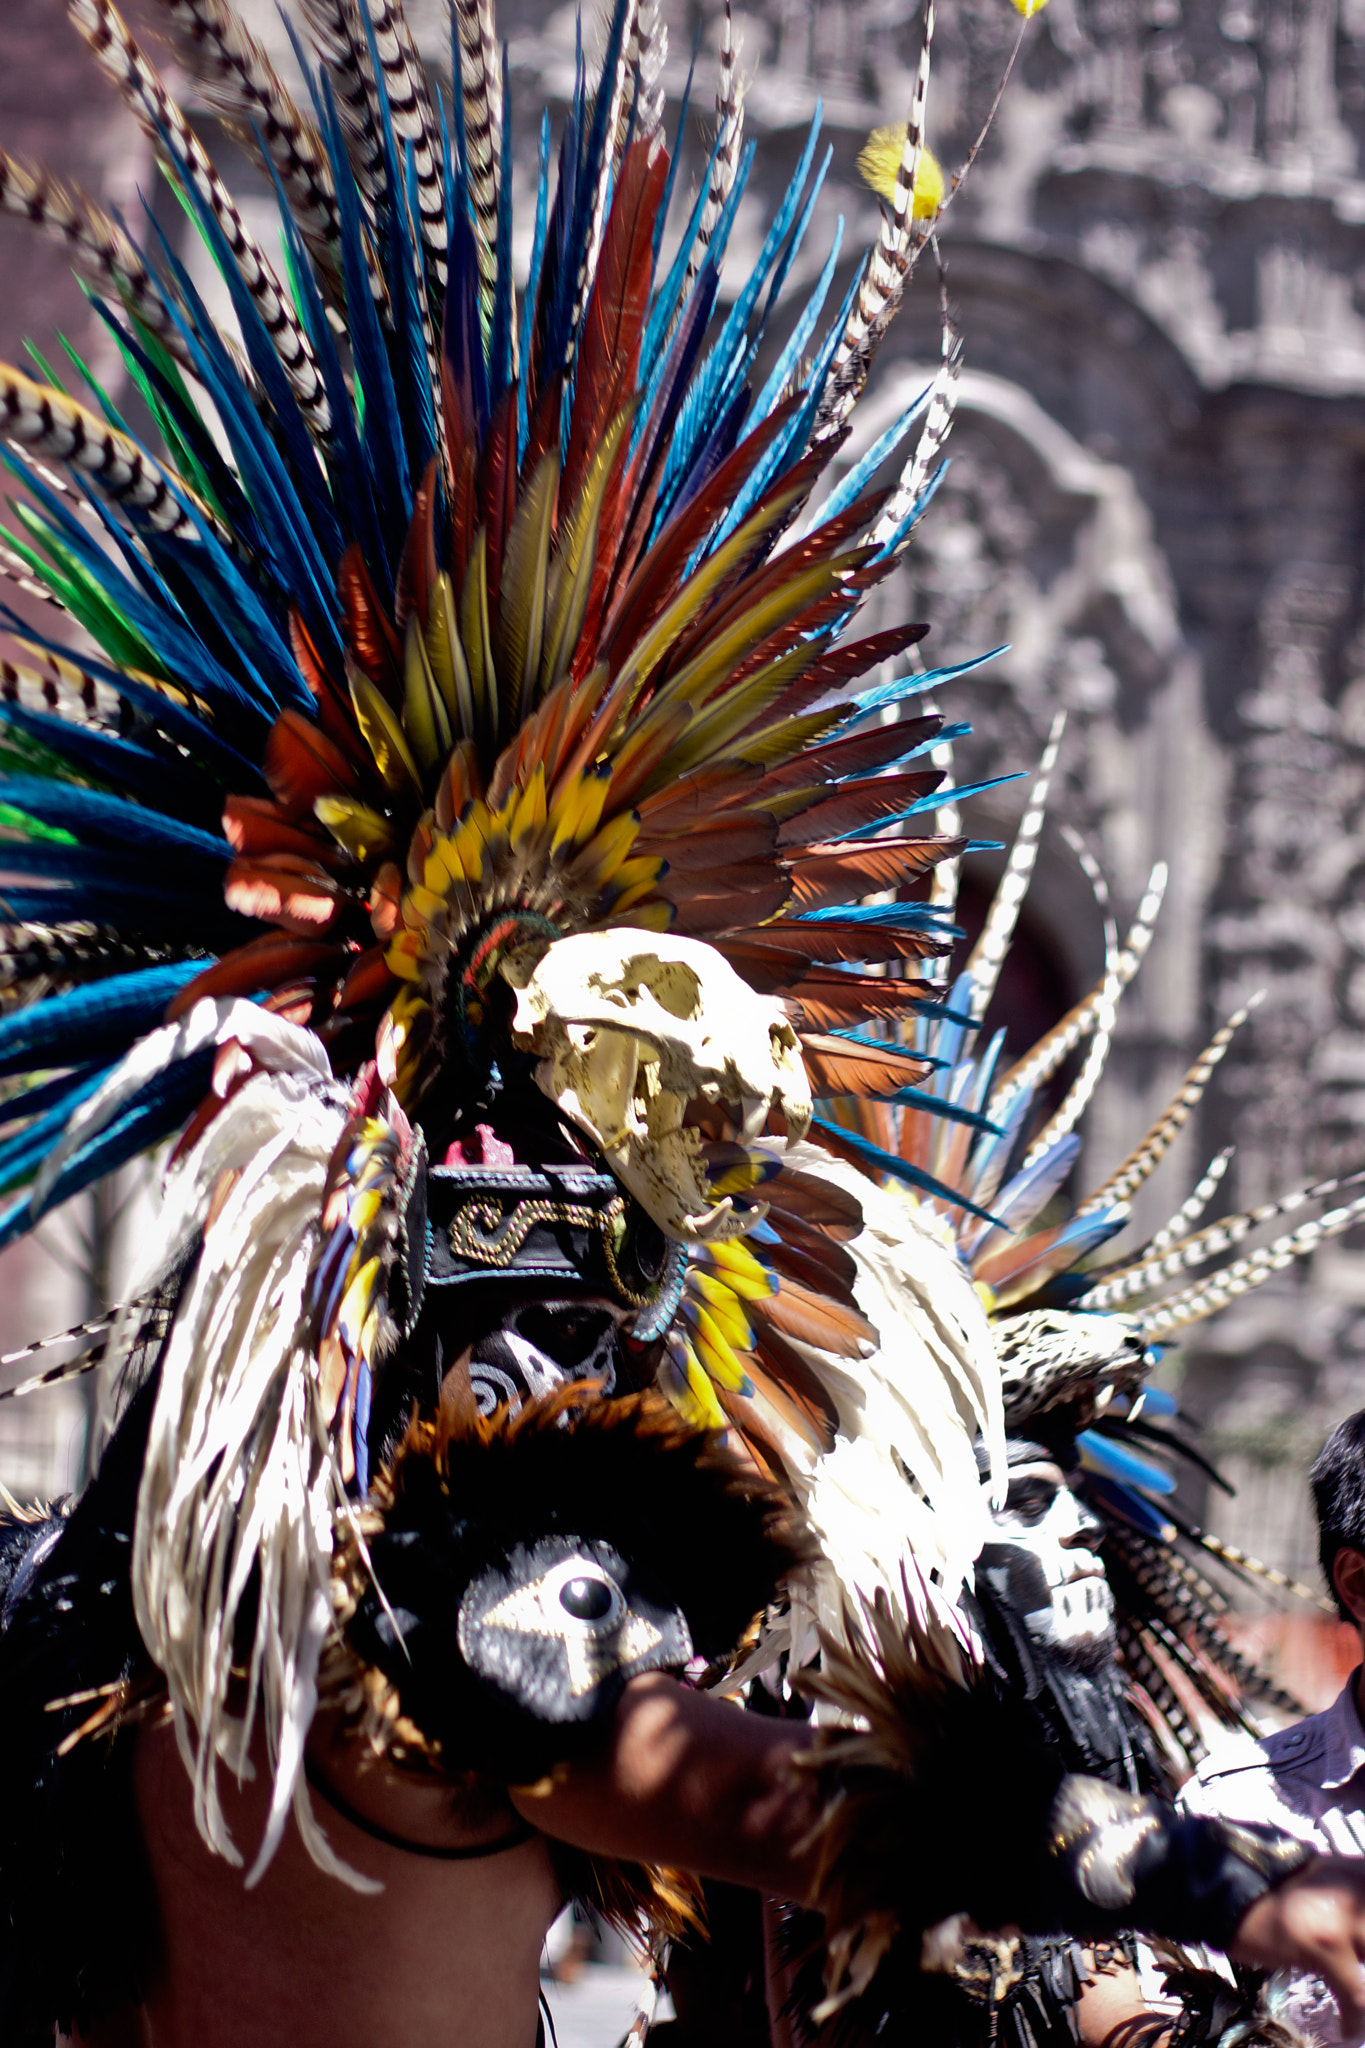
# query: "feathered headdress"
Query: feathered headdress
457,831
1077,1341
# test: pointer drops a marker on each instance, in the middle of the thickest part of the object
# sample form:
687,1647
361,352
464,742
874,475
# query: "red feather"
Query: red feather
254,825
838,1067
272,961
655,582
718,843
824,875
837,760
833,939
813,1318
497,489
417,567
369,636
286,890
715,902
859,803
816,1204
609,351
302,764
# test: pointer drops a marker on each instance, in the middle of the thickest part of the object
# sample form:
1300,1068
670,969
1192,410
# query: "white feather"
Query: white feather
239,1471
898,1503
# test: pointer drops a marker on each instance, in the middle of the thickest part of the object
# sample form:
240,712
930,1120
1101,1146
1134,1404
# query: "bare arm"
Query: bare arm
689,1781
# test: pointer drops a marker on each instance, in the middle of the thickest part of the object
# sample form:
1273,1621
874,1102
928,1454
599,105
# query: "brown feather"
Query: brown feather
373,643
271,961
860,803
302,764
824,875
609,351
810,1317
815,1204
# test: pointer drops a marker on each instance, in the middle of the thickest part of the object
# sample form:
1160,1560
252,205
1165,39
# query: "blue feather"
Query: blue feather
528,308
157,1110
862,473
933,802
97,1021
1116,1462
899,1169
382,433
1128,1506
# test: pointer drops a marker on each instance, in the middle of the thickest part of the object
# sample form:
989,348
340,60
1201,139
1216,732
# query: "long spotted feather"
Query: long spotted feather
101,252
38,960
1194,1204
883,281
1042,1061
1148,1153
336,30
729,137
480,87
1211,1242
988,954
914,480
239,79
414,122
119,57
1207,1296
40,418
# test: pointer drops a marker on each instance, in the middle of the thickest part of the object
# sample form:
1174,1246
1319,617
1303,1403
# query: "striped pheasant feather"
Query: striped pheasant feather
120,58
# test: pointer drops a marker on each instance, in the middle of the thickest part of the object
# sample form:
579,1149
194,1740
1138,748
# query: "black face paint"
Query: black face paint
541,1345
1043,1563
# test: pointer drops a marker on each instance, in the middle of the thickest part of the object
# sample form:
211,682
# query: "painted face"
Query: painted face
539,1345
1042,1561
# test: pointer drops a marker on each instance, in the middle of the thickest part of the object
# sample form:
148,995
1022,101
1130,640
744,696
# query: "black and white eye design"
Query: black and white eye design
559,1620
584,1595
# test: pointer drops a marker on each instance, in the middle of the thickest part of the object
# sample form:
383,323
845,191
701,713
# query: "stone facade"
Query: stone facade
1158,264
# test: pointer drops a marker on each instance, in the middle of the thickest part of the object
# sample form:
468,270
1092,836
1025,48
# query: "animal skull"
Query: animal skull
634,1030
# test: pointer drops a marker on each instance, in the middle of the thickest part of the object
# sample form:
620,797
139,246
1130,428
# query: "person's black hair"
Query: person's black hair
1338,1483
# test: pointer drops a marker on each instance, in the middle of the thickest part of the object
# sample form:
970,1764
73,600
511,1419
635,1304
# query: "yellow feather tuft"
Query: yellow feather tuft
366,834
880,159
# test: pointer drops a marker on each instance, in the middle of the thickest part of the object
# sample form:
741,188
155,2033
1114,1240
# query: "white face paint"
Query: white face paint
1042,1561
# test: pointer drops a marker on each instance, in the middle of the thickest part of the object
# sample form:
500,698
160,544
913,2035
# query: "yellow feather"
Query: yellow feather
710,1414
423,903
707,671
475,636
654,916
521,590
426,719
715,1354
356,1300
382,733
443,866
404,955
529,816
879,160
367,835
446,656
570,579
605,851
731,715
695,594
723,1305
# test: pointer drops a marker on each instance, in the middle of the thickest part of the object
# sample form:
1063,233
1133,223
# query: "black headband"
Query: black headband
568,1227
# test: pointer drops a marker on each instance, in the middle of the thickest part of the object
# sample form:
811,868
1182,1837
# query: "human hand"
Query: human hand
1314,1921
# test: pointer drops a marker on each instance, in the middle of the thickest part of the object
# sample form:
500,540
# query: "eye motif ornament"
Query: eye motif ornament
561,1621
